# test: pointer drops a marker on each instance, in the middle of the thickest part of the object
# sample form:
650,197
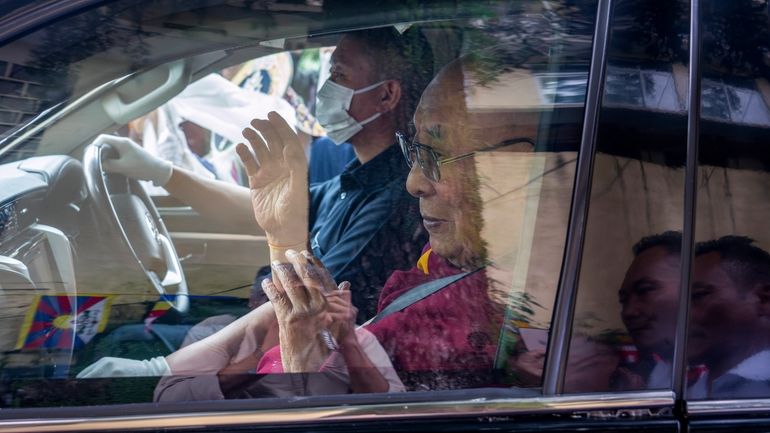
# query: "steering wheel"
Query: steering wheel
124,203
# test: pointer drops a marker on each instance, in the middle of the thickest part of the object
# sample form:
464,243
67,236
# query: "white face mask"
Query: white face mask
332,105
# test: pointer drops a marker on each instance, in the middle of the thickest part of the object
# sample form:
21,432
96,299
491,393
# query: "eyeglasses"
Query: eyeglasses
430,161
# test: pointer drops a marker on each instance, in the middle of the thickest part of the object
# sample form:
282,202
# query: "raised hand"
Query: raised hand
277,169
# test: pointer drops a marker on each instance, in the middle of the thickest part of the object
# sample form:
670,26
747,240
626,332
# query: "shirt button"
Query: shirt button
343,195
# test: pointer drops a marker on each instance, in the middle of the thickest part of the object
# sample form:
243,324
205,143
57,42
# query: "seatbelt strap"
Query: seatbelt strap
416,294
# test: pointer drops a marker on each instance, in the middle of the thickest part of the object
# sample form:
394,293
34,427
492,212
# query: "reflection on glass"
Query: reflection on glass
622,336
639,88
744,104
728,346
567,88
649,299
489,247
495,220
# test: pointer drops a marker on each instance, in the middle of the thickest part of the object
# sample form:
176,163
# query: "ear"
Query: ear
762,292
390,95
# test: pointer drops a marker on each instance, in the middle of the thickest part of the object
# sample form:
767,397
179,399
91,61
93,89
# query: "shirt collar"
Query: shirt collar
756,367
383,168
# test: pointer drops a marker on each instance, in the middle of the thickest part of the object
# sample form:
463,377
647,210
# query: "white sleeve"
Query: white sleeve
380,359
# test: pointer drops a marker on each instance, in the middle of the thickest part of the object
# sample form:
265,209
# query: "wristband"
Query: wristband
283,247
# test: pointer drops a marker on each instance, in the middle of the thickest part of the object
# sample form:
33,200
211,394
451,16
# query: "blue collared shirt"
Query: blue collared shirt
364,225
328,159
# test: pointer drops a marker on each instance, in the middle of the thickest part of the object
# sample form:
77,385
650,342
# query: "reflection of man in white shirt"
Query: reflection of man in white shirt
649,298
730,318
217,105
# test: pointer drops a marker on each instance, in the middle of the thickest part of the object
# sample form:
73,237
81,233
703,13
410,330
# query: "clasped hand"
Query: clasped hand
308,304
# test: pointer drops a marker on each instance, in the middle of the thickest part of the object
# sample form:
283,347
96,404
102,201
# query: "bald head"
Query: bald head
470,114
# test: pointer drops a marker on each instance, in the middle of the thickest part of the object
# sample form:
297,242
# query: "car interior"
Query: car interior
73,235
95,264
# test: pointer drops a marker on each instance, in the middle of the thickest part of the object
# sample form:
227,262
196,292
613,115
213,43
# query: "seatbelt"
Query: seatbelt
416,294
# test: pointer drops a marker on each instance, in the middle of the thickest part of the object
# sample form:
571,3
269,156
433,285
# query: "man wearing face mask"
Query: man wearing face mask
363,223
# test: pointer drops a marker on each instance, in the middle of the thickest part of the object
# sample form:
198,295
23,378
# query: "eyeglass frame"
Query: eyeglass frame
407,146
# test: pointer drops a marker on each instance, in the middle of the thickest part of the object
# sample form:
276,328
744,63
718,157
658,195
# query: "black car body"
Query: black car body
651,118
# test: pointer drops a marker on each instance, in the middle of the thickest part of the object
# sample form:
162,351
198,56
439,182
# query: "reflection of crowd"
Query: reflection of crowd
728,347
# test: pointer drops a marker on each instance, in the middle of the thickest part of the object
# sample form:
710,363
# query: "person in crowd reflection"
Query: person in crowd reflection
729,329
362,223
446,339
649,298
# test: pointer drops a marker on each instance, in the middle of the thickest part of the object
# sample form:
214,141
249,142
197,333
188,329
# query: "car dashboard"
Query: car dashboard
40,208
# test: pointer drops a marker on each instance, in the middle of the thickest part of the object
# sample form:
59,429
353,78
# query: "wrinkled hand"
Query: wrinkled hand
277,171
134,161
297,293
343,315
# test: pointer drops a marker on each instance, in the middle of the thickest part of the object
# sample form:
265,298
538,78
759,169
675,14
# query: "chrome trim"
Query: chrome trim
360,413
718,407
30,131
16,267
679,362
174,273
62,252
561,329
176,210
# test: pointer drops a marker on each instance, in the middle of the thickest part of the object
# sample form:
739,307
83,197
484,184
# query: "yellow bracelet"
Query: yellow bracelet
281,247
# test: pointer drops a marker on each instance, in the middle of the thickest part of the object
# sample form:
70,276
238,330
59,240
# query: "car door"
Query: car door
600,89
731,173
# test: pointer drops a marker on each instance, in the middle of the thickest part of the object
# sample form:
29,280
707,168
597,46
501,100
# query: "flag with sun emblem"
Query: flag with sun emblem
63,322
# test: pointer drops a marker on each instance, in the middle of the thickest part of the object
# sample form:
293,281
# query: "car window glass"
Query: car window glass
209,115
727,339
626,307
468,203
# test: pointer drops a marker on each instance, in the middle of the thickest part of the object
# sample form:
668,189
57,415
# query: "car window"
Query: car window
448,221
195,131
727,345
628,289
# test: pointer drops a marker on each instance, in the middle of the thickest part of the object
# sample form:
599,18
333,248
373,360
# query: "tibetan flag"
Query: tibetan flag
160,308
63,322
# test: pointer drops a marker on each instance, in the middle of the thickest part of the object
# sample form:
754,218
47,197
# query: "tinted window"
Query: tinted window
487,101
625,315
727,346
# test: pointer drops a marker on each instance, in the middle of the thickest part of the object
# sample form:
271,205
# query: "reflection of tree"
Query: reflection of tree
116,28
654,30
736,37
532,38
521,307
649,85
736,34
65,43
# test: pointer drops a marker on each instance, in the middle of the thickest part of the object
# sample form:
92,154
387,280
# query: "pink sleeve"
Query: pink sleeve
270,362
